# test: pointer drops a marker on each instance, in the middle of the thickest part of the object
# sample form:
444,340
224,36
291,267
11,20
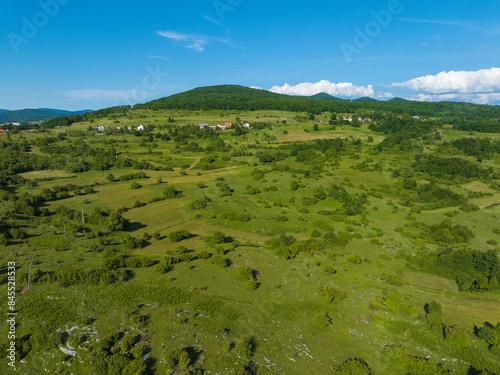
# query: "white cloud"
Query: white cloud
488,98
195,42
345,89
256,87
386,95
461,82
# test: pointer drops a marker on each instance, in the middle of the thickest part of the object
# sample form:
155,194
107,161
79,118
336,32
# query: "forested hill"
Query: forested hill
232,97
31,115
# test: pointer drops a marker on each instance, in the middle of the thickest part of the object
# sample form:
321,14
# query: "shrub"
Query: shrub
135,185
179,235
322,320
281,218
219,260
216,238
170,192
245,273
353,366
355,258
252,284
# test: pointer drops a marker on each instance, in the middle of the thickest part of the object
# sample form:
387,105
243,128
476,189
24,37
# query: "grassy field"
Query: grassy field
204,307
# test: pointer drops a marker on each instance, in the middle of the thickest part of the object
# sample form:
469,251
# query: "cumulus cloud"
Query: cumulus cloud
386,95
484,98
345,89
460,82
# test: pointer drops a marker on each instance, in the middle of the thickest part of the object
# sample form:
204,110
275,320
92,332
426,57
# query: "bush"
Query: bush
216,238
170,192
322,320
251,284
352,366
331,293
245,273
135,185
179,235
355,258
219,260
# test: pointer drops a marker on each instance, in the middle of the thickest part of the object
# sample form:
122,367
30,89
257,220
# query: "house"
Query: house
16,124
203,125
140,127
2,132
100,128
399,117
212,126
348,119
368,118
118,128
246,125
416,117
225,126
129,128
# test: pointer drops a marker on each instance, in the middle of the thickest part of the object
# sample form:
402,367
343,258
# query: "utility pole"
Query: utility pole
64,231
83,218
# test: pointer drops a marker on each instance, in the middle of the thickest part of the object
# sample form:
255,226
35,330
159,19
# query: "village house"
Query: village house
202,126
225,126
140,127
246,125
2,132
100,128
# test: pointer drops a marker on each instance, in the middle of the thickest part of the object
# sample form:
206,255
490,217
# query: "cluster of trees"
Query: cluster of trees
482,148
472,270
451,168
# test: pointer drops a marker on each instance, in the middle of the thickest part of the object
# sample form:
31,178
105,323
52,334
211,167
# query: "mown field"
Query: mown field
300,246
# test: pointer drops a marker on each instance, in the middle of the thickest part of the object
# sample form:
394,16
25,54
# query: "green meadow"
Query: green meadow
303,245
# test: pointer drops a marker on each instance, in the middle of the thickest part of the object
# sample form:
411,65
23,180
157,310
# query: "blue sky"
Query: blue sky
74,54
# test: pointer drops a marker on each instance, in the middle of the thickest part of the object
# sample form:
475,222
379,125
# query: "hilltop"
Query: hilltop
35,115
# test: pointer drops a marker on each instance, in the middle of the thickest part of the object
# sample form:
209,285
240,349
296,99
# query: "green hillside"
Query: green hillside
304,244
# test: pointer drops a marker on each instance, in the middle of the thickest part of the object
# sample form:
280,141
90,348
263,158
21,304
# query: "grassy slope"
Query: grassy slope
279,313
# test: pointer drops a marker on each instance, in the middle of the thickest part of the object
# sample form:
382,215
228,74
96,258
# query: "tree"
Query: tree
434,313
216,238
315,127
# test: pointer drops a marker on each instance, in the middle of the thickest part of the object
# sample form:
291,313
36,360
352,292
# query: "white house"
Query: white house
416,117
203,125
225,126
246,125
140,127
100,128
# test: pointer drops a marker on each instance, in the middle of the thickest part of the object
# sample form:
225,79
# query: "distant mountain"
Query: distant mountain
32,115
325,96
396,99
364,99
